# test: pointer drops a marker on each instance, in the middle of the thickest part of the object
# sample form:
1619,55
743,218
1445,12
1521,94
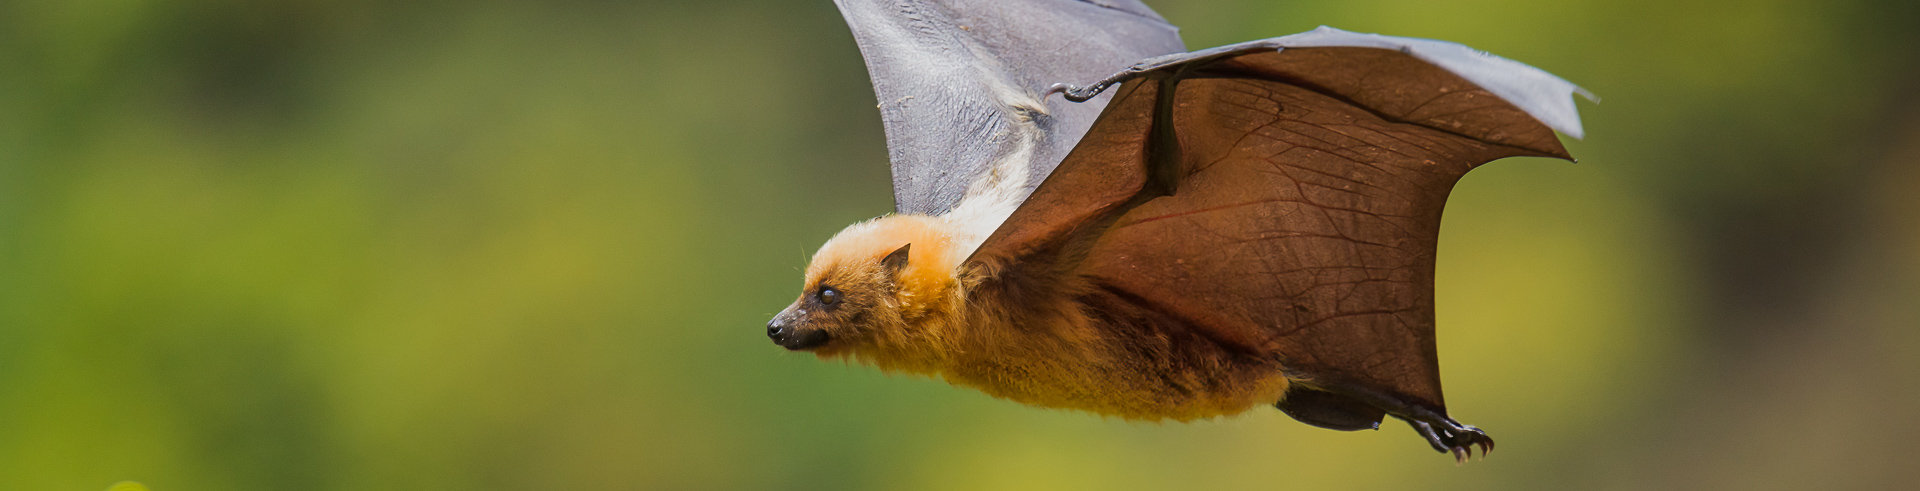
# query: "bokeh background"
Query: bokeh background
359,245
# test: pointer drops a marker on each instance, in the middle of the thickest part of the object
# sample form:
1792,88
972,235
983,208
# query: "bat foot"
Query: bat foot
1449,436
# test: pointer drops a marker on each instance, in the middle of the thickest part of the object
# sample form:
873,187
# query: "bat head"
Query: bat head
874,291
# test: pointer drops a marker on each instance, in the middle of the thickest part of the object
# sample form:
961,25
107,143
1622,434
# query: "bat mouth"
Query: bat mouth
796,338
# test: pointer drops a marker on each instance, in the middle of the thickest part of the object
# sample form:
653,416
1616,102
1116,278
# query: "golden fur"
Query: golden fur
1033,339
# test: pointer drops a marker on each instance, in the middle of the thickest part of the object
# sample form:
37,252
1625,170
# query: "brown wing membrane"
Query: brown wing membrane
1307,205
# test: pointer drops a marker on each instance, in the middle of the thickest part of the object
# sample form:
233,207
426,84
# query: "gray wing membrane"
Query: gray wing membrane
962,84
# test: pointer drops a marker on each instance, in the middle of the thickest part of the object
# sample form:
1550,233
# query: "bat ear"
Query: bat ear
896,260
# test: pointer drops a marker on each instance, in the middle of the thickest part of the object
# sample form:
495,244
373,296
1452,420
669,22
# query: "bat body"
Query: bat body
908,300
1248,225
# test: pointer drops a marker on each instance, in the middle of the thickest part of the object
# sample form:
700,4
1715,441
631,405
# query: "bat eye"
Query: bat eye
829,296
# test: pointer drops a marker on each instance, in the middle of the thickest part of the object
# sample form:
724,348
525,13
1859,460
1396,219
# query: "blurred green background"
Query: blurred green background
358,245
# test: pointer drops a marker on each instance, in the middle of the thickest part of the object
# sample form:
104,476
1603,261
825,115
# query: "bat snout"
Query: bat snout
794,337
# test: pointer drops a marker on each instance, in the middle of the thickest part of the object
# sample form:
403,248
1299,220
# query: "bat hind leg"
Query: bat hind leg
1347,407
1329,410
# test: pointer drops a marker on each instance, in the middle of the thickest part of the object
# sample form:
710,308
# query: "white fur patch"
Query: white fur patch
993,196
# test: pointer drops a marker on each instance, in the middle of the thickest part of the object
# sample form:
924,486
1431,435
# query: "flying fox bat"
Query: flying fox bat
1187,234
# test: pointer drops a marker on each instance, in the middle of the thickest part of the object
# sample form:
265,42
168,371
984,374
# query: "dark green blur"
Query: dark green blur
357,245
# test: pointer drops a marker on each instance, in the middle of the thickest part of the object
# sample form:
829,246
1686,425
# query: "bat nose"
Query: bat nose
776,330
795,338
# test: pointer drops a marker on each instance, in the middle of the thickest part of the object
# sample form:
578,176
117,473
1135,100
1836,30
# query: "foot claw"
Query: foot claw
1454,438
